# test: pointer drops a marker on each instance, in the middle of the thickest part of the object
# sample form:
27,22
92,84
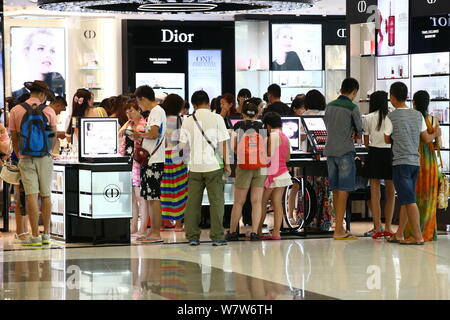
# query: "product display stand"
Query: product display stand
91,202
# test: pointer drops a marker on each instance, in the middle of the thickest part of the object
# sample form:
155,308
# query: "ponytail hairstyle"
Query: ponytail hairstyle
80,102
422,101
379,102
250,107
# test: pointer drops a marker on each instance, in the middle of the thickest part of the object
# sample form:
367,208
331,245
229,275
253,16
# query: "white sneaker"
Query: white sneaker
46,239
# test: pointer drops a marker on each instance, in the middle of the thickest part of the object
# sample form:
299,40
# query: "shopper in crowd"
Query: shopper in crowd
174,187
298,107
83,107
118,109
185,110
378,165
107,105
19,193
207,137
275,104
243,95
278,177
427,186
36,171
58,105
227,109
136,122
405,128
344,124
315,103
249,144
152,172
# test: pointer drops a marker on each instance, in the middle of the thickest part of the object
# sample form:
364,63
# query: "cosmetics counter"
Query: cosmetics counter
307,136
91,192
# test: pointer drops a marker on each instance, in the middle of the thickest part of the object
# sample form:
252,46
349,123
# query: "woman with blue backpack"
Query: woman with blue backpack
249,143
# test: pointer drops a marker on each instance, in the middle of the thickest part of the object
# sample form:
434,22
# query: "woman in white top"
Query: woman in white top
378,165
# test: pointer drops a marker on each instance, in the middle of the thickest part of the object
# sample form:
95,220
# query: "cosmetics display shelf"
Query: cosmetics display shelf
430,75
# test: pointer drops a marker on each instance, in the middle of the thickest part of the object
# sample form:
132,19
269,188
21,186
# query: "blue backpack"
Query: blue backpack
35,132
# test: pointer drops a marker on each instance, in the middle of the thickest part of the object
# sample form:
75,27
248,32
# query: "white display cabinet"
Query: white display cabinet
252,56
58,218
335,70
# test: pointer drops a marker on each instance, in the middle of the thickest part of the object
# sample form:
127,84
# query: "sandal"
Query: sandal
348,236
393,239
378,235
151,240
412,242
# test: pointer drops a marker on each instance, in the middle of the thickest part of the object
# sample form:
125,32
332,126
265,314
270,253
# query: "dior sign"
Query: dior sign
362,6
342,33
441,22
174,36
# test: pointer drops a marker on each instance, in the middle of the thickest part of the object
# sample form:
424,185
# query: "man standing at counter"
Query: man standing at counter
207,136
33,127
275,104
151,174
343,122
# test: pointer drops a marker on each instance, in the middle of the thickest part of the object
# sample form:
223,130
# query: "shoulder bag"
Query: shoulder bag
141,155
444,186
10,173
218,157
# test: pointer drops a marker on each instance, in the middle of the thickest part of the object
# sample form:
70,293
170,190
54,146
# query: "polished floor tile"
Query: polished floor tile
290,269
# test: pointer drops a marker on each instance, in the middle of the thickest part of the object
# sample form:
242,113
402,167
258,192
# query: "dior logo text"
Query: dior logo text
362,6
441,22
342,33
90,34
174,36
431,1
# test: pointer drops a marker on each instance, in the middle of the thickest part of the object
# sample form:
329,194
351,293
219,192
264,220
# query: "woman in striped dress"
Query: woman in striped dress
174,183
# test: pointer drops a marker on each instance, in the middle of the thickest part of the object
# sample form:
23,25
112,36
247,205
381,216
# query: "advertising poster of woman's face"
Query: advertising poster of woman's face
296,47
37,54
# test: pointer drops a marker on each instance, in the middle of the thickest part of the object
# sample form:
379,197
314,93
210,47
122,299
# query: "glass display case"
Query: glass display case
252,56
335,70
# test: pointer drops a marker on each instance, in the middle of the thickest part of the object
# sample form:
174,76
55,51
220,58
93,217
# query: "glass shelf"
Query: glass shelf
431,75
91,68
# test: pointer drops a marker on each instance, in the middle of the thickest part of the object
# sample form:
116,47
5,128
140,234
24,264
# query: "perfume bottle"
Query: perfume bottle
400,71
391,28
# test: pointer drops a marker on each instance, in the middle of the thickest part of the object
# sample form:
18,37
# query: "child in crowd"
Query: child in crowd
405,128
378,165
278,177
250,146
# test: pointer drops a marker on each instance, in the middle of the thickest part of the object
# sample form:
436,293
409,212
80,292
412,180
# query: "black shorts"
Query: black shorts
378,164
151,177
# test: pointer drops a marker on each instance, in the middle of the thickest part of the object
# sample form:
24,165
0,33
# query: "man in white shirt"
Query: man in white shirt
207,165
151,174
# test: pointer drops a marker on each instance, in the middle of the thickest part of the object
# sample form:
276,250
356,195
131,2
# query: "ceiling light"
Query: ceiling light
178,6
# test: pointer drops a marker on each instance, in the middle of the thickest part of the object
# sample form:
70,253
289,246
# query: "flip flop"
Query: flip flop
412,243
152,240
346,237
393,239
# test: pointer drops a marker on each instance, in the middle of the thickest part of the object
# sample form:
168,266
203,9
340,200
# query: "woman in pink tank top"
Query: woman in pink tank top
278,177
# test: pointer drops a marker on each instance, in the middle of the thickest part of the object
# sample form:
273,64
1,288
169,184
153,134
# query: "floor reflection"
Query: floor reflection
138,279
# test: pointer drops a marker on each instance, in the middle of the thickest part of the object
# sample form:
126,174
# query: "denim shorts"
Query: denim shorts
405,178
342,172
